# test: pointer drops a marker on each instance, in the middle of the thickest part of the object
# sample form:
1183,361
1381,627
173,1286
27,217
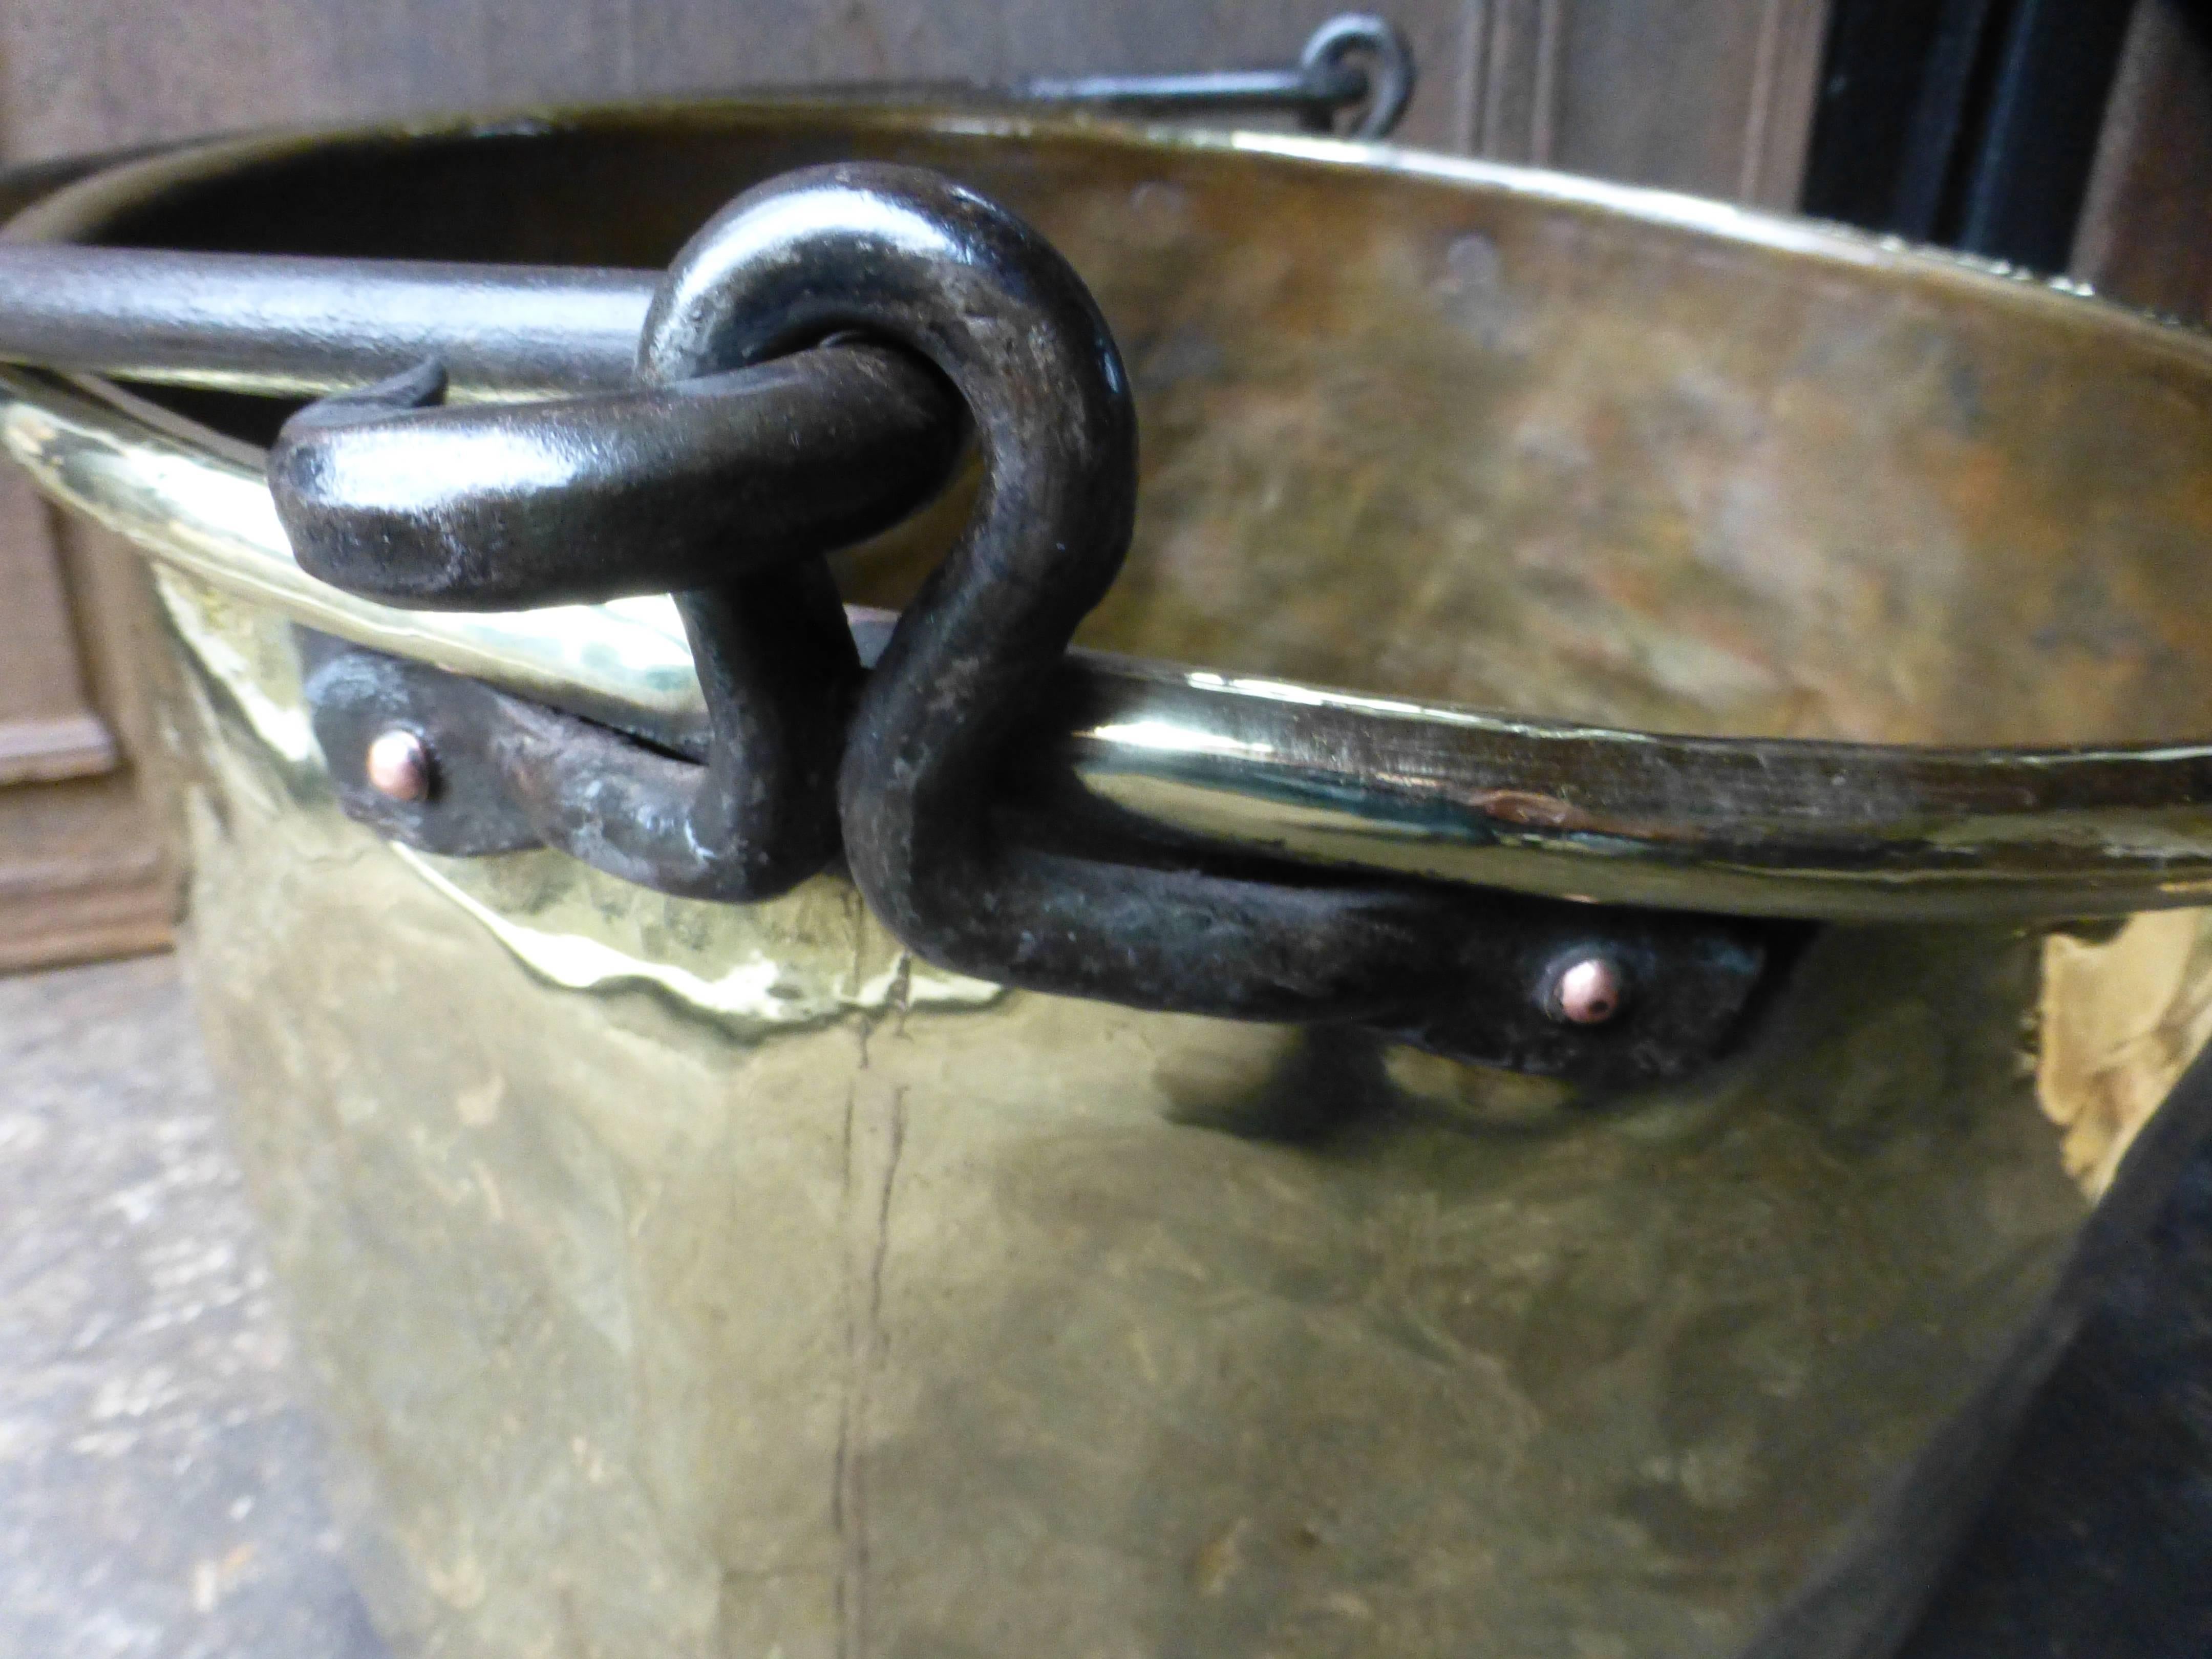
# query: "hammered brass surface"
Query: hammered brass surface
1449,435
694,1281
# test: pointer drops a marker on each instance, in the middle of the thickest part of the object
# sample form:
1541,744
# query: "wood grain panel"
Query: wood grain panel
84,873
48,730
1713,97
2142,233
1509,91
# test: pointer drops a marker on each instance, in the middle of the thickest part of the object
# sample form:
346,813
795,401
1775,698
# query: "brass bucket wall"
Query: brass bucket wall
687,1280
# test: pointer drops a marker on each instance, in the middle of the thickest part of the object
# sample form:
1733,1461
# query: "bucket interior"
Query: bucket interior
1466,435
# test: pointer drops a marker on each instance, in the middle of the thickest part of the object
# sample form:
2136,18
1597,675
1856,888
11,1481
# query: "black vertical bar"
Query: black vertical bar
2022,196
1941,118
1971,122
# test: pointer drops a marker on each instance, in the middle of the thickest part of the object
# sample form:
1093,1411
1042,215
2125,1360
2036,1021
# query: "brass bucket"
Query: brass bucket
691,1279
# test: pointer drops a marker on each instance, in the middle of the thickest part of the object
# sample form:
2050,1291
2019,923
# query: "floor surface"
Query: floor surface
158,1476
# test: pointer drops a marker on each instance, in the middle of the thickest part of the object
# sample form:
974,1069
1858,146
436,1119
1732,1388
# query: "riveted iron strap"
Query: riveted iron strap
388,492
1471,975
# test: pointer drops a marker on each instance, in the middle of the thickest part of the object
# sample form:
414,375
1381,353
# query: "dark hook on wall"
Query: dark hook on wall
1354,64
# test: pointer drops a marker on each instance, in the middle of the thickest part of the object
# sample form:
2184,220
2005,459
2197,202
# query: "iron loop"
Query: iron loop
717,487
1352,63
1378,45
908,256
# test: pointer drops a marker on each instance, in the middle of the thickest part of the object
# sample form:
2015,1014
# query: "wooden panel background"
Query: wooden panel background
2143,232
1712,96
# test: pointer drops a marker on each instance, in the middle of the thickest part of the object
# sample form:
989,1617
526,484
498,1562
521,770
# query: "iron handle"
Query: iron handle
281,327
906,770
1356,62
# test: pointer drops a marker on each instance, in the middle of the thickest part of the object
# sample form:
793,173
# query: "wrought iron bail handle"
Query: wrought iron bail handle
724,488
295,326
903,769
278,325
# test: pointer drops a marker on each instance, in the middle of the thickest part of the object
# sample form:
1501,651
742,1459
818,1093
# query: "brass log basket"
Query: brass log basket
691,1278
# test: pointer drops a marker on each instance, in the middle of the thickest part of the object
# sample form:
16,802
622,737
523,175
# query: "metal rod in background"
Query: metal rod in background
1353,61
288,326
1313,97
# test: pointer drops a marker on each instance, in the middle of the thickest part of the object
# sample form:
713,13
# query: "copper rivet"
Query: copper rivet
1585,991
399,766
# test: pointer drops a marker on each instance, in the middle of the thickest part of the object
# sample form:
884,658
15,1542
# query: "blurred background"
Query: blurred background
156,1485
